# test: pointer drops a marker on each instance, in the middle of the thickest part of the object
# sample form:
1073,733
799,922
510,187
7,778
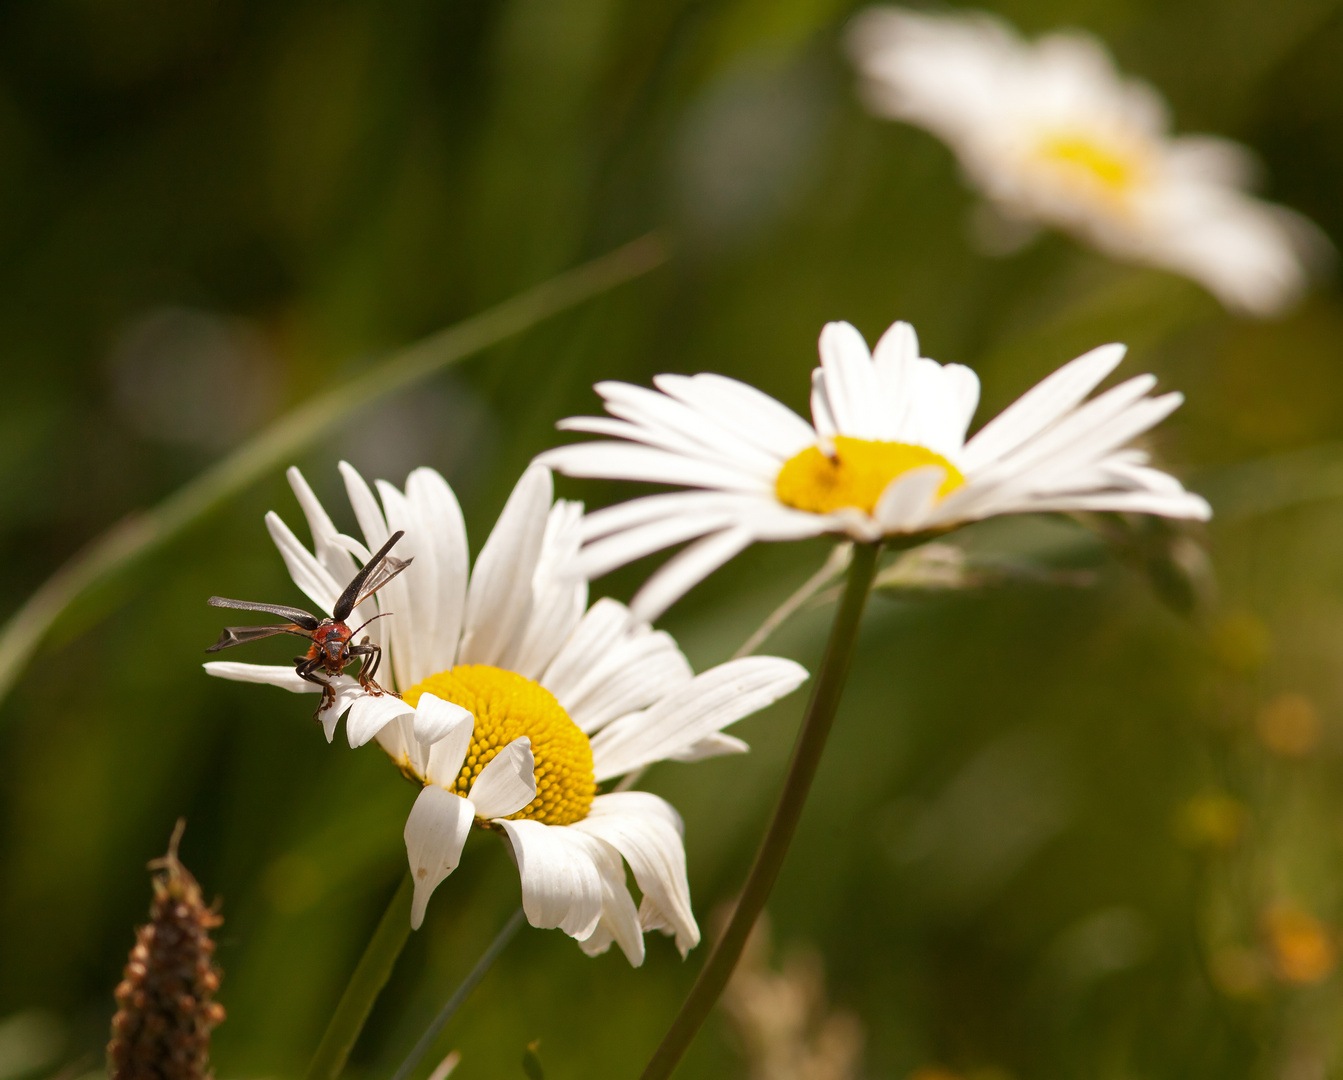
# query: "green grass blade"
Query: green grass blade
141,533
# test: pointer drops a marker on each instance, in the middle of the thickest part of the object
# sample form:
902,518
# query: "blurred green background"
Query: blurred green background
1070,824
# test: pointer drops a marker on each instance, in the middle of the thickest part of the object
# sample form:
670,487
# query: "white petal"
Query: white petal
499,598
507,783
441,516
620,918
560,884
619,461
647,831
851,386
559,591
448,751
283,676
436,719
370,713
410,595
330,553
365,507
601,627
896,353
1040,406
602,556
904,505
308,574
435,833
688,568
711,746
751,414
707,704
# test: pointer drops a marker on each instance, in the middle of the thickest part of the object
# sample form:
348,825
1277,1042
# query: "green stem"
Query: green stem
375,967
459,996
807,751
141,533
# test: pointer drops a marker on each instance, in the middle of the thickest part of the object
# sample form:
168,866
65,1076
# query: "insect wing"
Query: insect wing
379,570
241,635
293,614
390,568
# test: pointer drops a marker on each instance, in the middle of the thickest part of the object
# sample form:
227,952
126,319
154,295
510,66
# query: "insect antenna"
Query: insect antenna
356,630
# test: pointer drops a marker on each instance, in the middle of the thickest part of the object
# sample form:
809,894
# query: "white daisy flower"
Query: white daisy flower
517,701
1052,134
885,454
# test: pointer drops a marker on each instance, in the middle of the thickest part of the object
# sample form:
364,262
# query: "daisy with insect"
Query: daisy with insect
518,700
332,649
885,455
1051,134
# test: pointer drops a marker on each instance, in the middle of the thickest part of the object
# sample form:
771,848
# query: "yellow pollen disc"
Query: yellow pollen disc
506,707
1108,168
855,476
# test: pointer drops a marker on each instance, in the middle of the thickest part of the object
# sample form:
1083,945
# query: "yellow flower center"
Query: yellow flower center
855,475
1110,169
506,707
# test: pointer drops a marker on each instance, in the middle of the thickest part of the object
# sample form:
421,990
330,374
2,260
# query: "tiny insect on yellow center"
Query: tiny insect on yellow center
855,475
506,707
1109,168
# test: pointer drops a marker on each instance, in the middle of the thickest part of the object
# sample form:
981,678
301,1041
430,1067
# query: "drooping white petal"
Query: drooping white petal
436,719
647,831
907,500
507,783
707,704
620,918
370,713
435,833
560,883
499,597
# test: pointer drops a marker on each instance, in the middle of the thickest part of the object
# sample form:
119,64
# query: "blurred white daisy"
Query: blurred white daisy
518,700
885,454
1052,134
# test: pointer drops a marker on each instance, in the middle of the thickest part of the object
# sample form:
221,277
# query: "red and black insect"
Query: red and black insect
332,650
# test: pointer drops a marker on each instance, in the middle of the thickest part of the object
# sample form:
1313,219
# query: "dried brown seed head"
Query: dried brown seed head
161,1030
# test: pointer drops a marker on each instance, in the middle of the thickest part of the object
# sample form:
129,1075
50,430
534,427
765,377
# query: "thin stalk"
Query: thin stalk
472,980
807,751
835,565
375,967
136,536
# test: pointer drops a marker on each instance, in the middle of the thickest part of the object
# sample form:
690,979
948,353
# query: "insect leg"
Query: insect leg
372,657
307,671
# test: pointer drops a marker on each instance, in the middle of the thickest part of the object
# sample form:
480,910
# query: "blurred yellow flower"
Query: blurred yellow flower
1289,725
1303,949
1212,820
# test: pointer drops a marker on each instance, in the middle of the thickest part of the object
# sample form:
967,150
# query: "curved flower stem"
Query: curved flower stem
375,967
807,750
483,965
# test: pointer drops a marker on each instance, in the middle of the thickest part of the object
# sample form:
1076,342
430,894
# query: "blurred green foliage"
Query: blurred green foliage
1062,830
